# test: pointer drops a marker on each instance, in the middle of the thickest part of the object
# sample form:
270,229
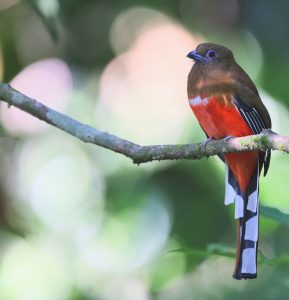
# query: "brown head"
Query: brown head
216,70
212,55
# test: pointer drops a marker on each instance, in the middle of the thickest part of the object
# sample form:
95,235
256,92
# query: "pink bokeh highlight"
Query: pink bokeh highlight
144,88
48,81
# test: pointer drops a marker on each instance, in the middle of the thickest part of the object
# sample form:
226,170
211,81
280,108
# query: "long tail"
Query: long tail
247,215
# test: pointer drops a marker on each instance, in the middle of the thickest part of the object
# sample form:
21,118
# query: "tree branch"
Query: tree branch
141,154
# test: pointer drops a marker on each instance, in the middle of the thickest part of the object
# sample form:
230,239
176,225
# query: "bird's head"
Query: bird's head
209,53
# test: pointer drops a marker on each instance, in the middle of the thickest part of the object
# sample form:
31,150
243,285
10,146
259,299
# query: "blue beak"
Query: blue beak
196,56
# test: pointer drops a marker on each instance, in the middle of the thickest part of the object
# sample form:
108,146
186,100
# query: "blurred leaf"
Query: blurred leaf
8,48
274,214
223,250
278,261
191,252
48,21
3,132
212,249
275,261
77,294
12,229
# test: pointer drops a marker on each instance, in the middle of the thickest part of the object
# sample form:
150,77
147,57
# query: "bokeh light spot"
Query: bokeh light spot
50,82
25,270
144,89
129,240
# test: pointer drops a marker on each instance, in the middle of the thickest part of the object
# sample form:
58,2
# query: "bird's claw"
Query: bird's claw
227,138
206,142
268,131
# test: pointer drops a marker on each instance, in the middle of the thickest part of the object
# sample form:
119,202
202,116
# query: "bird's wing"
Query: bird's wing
253,117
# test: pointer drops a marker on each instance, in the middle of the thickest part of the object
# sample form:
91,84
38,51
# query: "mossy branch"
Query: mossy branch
140,154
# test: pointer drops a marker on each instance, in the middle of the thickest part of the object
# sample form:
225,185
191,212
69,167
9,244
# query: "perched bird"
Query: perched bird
227,104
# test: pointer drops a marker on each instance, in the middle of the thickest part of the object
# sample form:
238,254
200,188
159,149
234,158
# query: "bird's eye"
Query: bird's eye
211,53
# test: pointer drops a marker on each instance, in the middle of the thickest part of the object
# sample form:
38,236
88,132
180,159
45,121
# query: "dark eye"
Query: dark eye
211,53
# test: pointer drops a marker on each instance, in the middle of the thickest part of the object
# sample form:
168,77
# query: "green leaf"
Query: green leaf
191,252
212,249
225,251
222,250
274,214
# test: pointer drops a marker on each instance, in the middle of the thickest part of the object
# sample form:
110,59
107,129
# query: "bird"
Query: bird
227,104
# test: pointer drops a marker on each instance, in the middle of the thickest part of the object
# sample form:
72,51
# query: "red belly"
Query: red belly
219,120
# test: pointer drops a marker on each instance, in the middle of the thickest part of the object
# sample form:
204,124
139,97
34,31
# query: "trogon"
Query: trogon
227,104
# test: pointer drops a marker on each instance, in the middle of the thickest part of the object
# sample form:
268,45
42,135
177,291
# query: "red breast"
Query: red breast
219,118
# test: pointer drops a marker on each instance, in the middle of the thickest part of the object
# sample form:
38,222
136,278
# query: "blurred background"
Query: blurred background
81,222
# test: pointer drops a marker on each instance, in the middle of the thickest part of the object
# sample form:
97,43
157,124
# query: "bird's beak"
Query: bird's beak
195,56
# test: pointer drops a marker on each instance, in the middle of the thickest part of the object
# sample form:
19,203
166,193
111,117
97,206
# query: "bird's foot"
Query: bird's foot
227,138
206,142
268,131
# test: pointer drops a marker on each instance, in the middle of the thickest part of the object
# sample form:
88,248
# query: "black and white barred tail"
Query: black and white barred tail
247,215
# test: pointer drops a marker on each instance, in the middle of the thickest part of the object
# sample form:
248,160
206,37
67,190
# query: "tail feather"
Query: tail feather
247,215
230,186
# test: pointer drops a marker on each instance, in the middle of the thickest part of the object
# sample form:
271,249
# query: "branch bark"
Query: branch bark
140,154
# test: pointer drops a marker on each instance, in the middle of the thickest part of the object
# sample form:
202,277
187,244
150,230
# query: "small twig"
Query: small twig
140,154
